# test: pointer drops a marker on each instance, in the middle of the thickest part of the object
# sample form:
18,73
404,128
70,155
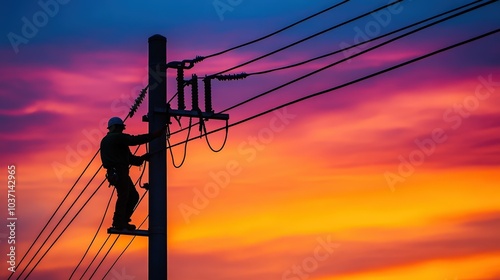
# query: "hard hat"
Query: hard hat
115,121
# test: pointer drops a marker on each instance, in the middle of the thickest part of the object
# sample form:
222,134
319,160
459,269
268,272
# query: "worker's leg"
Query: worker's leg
120,218
133,198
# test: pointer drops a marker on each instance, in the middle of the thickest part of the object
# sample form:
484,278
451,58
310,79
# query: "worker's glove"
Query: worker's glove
146,157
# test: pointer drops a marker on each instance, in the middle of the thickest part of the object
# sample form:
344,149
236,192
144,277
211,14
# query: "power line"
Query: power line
137,205
185,146
234,124
98,229
307,38
363,52
55,212
352,82
353,56
59,236
60,220
339,87
361,43
278,31
74,217
105,255
125,249
134,108
58,223
95,235
96,255
113,244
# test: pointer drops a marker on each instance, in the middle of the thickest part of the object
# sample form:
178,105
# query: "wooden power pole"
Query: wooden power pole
157,105
159,114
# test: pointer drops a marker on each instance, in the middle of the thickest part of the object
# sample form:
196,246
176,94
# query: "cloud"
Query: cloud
474,236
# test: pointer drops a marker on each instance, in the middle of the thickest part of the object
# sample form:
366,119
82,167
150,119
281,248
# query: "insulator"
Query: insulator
180,89
208,94
138,101
194,90
231,77
198,59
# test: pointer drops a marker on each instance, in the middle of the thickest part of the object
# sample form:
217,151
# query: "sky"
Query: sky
393,177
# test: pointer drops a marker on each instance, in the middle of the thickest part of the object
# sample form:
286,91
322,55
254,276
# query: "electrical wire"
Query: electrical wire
55,212
361,43
95,257
408,62
308,38
208,142
58,223
363,52
105,255
278,31
95,235
65,228
351,57
105,242
62,202
350,83
281,106
113,244
185,146
125,249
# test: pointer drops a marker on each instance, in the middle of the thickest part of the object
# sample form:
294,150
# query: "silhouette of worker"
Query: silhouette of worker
116,158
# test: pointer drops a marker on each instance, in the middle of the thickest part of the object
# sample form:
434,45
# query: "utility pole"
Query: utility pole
159,114
157,241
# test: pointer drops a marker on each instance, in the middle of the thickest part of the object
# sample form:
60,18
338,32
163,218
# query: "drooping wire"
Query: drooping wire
185,146
278,31
223,143
95,235
308,38
389,69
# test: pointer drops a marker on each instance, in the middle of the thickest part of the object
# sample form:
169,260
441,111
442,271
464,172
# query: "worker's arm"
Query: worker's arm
134,140
135,160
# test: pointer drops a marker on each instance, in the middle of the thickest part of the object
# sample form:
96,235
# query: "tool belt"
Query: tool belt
112,176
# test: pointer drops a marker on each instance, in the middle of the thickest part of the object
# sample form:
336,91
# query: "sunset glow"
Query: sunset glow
395,177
